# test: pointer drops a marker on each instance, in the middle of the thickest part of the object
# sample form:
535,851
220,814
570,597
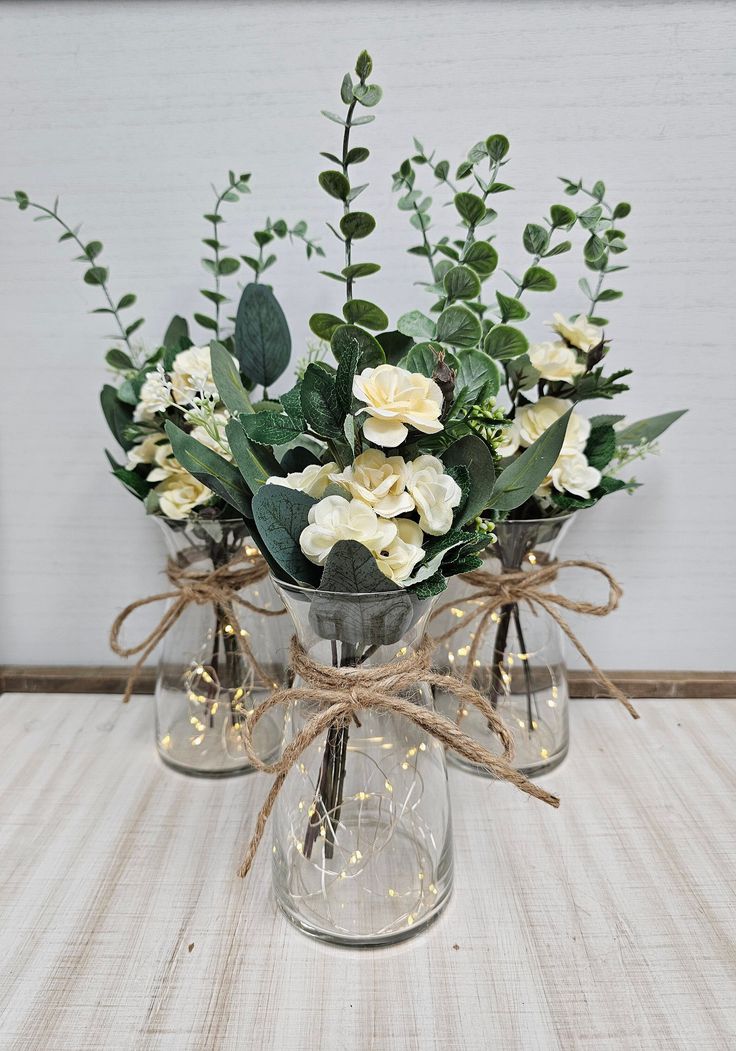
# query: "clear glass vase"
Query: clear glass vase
207,682
362,839
518,661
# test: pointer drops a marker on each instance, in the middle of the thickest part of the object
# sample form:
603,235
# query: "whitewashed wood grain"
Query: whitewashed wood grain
609,924
131,110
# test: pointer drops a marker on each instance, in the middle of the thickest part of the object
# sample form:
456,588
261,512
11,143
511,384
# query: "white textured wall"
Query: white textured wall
129,111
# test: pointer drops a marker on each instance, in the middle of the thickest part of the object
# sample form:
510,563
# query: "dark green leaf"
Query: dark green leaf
323,325
461,282
281,515
483,258
364,65
270,428
511,309
361,312
504,342
459,326
562,216
535,238
227,380
537,279
601,446
360,270
357,224
477,372
210,468
647,430
206,322
256,463
119,417
262,340
118,359
96,275
357,155
346,338
423,358
473,453
497,147
335,184
319,403
621,210
470,207
177,333
394,345
523,477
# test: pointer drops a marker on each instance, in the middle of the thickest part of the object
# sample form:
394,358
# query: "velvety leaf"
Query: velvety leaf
319,403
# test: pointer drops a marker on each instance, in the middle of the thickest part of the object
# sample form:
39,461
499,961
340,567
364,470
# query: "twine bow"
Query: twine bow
218,587
342,692
492,591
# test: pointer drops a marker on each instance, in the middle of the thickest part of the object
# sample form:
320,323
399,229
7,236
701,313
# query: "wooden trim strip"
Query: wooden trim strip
639,685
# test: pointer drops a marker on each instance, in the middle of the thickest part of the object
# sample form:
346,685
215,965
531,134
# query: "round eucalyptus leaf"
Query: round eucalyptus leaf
470,208
347,337
504,342
459,326
497,147
483,258
357,224
461,282
335,183
537,279
423,358
323,325
362,312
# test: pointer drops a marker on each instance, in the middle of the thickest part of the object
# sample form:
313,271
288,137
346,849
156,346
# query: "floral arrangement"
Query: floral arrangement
369,475
176,380
542,381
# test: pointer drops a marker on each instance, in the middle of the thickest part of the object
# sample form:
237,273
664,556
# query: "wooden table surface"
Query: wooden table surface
610,923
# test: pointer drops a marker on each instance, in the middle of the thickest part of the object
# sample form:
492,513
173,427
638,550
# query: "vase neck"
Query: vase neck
528,542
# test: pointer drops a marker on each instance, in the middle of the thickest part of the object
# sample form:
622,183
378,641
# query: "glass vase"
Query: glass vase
518,661
207,681
362,847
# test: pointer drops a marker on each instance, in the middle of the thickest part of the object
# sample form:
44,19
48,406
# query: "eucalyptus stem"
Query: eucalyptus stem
346,202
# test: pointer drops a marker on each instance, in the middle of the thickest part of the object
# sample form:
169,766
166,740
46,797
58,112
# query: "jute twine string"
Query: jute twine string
218,587
491,591
341,693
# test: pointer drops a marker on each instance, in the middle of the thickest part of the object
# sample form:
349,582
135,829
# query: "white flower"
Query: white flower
166,464
180,494
580,333
335,518
313,480
510,440
378,480
555,361
145,451
395,398
533,420
220,446
573,474
435,493
402,555
155,396
191,375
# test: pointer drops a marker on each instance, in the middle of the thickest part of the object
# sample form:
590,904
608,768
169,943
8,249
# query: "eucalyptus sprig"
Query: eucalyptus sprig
354,225
279,229
94,274
217,264
605,239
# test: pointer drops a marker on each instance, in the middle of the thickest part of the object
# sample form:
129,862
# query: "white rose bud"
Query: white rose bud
533,420
313,480
180,494
335,518
435,493
573,474
378,480
395,398
555,361
403,554
579,333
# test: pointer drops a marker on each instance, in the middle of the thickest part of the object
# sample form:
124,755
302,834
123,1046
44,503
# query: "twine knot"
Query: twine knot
491,591
218,587
340,693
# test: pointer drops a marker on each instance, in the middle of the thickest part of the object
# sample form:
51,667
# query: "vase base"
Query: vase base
364,941
218,750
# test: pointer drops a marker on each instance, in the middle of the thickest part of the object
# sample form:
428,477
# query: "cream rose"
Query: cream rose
510,440
378,480
573,474
580,333
402,555
435,494
335,518
533,420
313,480
155,397
555,361
180,494
145,451
191,375
395,398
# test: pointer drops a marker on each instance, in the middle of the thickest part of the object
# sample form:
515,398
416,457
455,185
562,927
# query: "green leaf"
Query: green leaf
568,502
256,463
594,249
523,477
394,345
345,338
647,430
461,282
319,403
323,325
281,515
96,275
482,257
537,279
270,428
335,184
262,340
357,155
504,342
591,217
521,373
360,270
417,325
609,294
601,446
459,326
126,301
364,65
535,238
361,312
227,380
599,190
621,210
562,216
357,224
346,89
118,359
368,94
423,357
227,266
511,309
473,453
497,147
130,479
470,208
206,322
477,372
431,587
211,469
351,350
118,416
351,569
563,246
177,333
